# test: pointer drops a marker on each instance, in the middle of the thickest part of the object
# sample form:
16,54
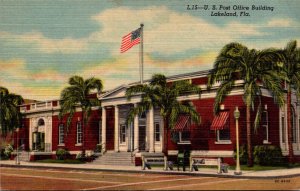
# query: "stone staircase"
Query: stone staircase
114,158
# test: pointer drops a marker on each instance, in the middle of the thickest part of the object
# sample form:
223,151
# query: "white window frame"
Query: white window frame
61,134
157,133
122,133
184,141
266,128
79,133
223,141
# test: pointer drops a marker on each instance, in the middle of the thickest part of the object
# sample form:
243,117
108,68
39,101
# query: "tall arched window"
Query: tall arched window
61,139
265,125
79,133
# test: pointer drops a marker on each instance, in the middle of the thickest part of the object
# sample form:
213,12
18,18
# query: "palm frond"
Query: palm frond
222,92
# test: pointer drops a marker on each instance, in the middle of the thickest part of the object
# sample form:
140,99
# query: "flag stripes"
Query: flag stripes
130,40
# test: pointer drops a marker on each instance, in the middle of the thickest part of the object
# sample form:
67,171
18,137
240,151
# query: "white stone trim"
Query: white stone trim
120,101
213,153
151,130
208,95
227,142
172,152
117,130
103,129
136,131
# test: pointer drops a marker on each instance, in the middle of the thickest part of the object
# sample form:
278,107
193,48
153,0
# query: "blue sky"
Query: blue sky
43,43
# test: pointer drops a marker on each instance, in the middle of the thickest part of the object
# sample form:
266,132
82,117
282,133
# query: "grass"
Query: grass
261,168
66,161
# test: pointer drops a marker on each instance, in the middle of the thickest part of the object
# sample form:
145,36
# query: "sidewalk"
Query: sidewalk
281,173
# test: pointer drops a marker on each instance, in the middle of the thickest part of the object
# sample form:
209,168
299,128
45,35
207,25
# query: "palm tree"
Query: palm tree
256,68
10,116
160,94
291,70
78,95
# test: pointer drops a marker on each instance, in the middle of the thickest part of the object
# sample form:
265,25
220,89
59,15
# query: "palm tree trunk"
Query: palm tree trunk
289,126
165,148
249,136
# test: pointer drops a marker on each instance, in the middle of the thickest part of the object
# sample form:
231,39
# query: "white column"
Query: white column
151,130
117,129
136,131
30,132
103,129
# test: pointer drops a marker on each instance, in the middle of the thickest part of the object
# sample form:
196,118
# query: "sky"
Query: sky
45,42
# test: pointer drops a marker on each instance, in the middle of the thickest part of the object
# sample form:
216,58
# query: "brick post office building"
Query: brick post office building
42,133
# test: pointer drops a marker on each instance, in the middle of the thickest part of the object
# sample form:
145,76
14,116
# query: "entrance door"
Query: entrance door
142,137
38,141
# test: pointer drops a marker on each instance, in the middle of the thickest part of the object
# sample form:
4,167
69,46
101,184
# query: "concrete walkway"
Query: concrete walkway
281,173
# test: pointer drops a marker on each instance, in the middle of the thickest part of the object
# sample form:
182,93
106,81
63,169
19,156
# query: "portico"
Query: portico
144,134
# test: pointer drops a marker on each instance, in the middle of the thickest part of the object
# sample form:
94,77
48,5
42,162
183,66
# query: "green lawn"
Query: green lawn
67,161
261,168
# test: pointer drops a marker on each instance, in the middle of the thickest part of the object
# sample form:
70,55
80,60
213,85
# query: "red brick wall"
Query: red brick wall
91,132
273,122
23,134
200,81
202,138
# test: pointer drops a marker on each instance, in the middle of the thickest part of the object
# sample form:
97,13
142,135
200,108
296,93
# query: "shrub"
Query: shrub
98,148
81,156
62,154
243,154
3,156
268,155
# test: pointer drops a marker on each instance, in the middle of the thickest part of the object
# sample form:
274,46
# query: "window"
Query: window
100,131
41,122
223,135
61,134
79,132
184,136
122,133
157,132
265,125
283,129
143,115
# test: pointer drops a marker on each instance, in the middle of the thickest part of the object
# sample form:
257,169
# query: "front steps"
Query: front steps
115,159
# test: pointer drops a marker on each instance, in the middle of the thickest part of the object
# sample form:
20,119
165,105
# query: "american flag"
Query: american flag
130,40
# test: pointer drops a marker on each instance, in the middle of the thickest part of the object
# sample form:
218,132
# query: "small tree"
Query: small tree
257,69
78,95
160,94
10,115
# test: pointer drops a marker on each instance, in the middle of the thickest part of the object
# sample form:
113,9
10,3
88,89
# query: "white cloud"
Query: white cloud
47,45
167,31
281,22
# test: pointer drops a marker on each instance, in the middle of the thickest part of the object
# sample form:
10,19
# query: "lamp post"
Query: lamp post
237,116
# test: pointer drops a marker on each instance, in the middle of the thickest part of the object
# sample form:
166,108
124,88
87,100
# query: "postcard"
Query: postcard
150,94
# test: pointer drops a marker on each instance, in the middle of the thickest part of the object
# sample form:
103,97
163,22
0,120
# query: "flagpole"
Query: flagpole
141,55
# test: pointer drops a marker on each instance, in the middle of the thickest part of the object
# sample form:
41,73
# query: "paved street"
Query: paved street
68,179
